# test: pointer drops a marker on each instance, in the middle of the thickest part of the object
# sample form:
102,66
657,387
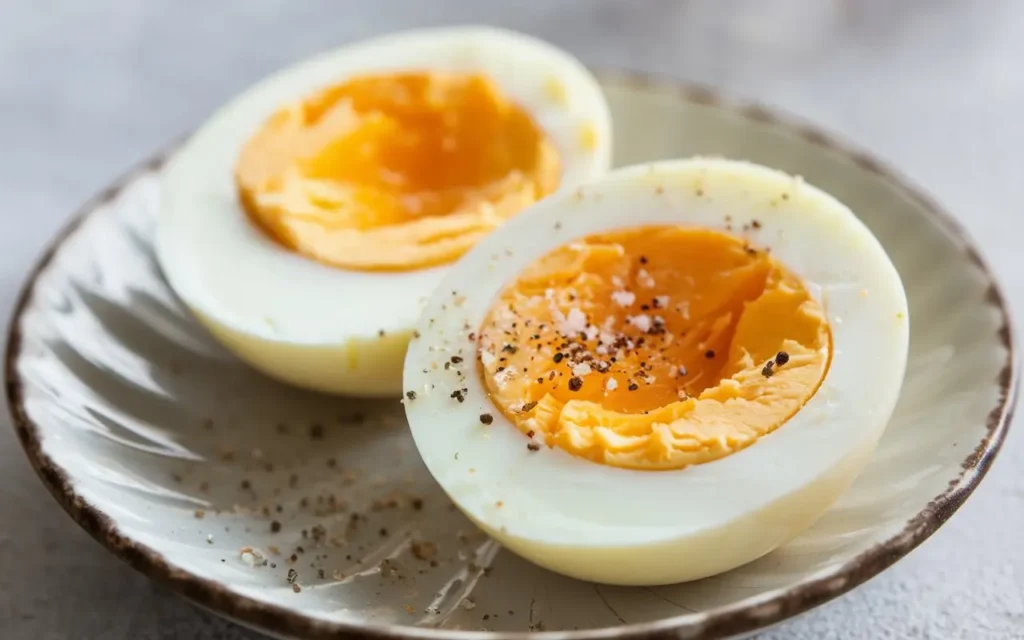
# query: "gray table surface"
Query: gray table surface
934,87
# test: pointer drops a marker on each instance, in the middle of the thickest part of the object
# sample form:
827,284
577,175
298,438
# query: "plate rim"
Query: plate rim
743,617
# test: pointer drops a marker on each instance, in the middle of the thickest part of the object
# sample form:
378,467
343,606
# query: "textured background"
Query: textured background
935,87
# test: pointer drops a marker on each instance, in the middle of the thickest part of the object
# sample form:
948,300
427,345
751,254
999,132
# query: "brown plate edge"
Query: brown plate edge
727,621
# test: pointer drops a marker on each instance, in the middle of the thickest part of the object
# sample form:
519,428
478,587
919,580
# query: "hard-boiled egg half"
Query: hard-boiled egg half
306,222
661,375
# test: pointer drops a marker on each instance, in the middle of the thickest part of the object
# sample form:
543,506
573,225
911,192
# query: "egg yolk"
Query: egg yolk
394,172
653,347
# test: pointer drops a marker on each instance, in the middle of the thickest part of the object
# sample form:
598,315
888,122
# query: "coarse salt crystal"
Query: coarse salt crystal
641,322
611,384
581,369
623,298
592,331
661,301
487,358
644,279
574,323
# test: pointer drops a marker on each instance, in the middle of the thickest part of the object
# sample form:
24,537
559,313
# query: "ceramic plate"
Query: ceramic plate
312,516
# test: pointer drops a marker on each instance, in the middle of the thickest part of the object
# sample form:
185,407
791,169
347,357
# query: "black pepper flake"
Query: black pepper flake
410,394
558,357
381,333
767,371
529,406
756,223
508,348
275,526
643,259
456,359
486,418
417,504
293,575
782,358
710,353
575,383
316,432
633,386
533,446
383,532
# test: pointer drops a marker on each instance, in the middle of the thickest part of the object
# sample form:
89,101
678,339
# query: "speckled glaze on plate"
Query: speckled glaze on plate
310,516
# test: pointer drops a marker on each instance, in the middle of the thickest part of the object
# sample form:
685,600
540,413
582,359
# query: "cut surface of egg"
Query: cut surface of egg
305,223
661,375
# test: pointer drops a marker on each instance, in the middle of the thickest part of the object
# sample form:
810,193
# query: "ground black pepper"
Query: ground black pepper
575,383
410,394
486,418
782,358
710,353
533,446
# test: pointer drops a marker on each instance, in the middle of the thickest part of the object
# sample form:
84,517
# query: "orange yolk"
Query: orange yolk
394,172
653,348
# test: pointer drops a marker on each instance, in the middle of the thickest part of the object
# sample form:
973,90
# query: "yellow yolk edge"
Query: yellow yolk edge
394,172
653,348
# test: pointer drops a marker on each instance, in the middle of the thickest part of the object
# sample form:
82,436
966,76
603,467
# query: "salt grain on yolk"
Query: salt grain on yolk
669,331
394,172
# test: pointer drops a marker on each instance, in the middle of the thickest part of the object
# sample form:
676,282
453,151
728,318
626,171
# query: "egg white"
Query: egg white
631,527
315,325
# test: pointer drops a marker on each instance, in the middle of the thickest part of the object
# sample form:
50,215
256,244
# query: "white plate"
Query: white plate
177,457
